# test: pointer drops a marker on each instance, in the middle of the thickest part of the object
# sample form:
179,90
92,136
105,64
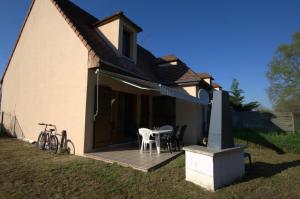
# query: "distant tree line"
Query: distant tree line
284,77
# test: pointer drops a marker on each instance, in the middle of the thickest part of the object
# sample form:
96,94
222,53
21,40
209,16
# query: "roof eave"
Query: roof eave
116,16
188,81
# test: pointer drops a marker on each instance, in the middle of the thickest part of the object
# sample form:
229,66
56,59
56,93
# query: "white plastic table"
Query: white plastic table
157,134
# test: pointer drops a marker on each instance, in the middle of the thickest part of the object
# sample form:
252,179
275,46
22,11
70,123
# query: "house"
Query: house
91,78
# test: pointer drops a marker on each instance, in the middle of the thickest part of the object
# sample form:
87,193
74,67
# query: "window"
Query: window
126,43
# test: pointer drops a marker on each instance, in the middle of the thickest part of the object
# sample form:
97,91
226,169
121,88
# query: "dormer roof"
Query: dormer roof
205,75
118,15
166,59
216,85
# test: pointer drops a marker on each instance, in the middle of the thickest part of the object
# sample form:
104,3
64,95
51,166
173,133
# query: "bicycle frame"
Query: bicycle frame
48,133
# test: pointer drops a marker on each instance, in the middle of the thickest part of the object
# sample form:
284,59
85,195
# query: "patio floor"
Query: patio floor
131,157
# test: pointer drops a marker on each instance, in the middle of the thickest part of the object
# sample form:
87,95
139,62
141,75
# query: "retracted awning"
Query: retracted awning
151,86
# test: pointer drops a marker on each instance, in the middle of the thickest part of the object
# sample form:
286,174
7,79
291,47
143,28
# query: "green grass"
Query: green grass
26,172
278,141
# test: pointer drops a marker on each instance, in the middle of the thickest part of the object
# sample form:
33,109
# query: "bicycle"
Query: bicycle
66,145
47,140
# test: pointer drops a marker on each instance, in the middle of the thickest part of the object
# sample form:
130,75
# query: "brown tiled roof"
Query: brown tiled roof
180,72
176,73
216,85
146,67
205,75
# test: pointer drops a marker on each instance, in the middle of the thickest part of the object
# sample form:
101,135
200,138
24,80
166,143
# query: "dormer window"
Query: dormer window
206,77
121,34
127,43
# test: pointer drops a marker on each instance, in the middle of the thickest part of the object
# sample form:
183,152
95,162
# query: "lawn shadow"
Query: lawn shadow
254,136
266,170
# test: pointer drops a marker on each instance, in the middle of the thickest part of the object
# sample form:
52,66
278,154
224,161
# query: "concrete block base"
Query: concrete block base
211,168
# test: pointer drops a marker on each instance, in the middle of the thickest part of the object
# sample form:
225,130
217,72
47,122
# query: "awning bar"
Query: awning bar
151,86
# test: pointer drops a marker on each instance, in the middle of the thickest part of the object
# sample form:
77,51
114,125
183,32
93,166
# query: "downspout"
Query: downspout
97,72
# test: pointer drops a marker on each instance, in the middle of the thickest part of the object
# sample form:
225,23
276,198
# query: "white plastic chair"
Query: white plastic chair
146,133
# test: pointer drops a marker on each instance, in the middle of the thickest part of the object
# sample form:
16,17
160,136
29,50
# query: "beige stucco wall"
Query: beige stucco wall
207,80
111,32
191,90
47,77
190,114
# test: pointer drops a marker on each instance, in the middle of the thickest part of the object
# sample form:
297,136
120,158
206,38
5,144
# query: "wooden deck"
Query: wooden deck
131,157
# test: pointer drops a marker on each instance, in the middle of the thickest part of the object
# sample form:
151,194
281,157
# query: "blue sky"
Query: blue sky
229,39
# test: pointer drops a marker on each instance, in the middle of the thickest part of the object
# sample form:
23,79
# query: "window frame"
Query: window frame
127,44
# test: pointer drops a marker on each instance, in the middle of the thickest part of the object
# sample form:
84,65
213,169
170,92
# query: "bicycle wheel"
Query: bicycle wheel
70,147
41,141
53,144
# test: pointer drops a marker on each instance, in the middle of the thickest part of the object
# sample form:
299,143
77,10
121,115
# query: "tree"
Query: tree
284,77
284,72
236,99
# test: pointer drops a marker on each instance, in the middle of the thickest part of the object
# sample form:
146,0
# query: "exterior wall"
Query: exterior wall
208,80
47,77
191,90
111,32
89,118
190,114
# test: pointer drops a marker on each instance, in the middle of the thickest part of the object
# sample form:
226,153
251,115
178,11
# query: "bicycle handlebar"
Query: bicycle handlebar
46,124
